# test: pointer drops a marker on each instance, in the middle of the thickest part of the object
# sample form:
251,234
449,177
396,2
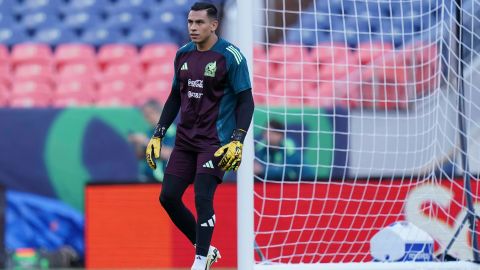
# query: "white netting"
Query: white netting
356,125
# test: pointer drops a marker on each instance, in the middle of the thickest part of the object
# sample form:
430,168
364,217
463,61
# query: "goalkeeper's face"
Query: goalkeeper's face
201,26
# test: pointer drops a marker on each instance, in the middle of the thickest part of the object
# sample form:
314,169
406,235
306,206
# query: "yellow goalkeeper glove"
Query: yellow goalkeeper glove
154,147
232,151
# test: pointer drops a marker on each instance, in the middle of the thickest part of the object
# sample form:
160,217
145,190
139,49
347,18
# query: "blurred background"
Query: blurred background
82,83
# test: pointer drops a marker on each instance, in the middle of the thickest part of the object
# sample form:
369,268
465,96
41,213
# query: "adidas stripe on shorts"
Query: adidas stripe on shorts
186,164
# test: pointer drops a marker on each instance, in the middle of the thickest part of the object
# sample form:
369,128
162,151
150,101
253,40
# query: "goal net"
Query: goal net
358,125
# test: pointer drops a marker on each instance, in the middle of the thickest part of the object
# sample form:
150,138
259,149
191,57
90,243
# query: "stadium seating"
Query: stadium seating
73,93
116,54
74,54
30,53
157,54
33,73
102,44
30,94
157,90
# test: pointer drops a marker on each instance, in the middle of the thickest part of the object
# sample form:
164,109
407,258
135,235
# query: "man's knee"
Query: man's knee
168,199
204,206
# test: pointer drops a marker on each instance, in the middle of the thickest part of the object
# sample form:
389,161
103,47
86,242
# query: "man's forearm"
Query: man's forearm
170,111
244,109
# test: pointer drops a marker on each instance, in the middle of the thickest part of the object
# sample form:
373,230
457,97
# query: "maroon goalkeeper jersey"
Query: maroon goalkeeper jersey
208,82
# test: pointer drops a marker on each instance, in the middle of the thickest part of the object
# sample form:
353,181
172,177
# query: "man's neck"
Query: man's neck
207,44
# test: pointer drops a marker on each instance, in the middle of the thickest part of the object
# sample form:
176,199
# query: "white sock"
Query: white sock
199,263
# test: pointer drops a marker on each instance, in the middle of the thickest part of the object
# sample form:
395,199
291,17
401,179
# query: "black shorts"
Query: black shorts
186,164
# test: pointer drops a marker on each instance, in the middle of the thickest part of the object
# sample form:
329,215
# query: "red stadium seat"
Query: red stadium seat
4,95
260,90
292,90
335,60
30,94
296,71
116,54
116,93
28,87
159,72
391,96
4,65
330,53
77,71
336,71
130,72
426,64
152,54
158,90
114,101
63,102
322,97
34,100
394,68
368,52
74,54
259,52
31,53
281,53
117,86
260,67
5,76
4,55
74,88
33,72
73,93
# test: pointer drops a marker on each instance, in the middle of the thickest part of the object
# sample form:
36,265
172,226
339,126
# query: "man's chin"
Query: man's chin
197,40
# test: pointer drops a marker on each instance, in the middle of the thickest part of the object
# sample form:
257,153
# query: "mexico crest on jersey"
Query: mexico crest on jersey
210,69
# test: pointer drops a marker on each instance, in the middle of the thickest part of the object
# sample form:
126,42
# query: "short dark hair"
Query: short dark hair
276,126
211,9
157,106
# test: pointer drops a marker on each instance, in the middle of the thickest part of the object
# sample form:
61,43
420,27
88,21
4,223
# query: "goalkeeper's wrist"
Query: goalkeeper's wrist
159,131
238,135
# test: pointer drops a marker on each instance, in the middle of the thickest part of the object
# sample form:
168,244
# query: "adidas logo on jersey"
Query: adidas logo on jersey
208,164
184,66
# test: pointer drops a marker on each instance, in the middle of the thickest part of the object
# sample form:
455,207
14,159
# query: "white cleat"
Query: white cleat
213,256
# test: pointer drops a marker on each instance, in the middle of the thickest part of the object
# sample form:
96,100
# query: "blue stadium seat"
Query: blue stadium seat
337,23
145,34
427,21
6,19
82,20
356,30
31,20
408,9
174,22
134,6
323,22
427,5
12,35
84,6
308,21
54,36
306,37
334,7
124,20
98,36
182,6
39,5
355,8
7,5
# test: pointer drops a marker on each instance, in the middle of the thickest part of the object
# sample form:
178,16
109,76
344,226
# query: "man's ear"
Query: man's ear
214,26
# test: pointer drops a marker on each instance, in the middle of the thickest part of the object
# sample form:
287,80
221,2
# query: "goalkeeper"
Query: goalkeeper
212,90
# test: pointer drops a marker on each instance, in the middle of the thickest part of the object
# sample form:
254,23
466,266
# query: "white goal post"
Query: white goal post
357,126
